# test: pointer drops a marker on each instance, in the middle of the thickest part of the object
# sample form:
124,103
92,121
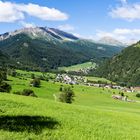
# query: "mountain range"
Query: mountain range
111,41
49,48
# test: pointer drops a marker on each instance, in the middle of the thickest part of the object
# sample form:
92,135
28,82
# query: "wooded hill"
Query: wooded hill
123,68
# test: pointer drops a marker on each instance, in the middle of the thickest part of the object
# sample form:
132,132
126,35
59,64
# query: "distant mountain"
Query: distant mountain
41,32
123,68
48,48
131,42
111,41
64,35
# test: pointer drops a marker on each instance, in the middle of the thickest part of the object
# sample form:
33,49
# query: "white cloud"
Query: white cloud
127,11
27,25
8,12
122,31
41,12
11,12
66,27
124,35
127,31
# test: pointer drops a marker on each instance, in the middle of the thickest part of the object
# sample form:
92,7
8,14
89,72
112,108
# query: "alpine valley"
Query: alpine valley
43,48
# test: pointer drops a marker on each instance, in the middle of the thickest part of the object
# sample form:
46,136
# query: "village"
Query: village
81,80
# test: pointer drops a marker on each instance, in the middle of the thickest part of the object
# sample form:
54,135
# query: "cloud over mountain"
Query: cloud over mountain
123,34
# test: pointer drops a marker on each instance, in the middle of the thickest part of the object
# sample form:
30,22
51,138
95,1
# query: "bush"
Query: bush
17,92
4,87
13,73
138,95
61,88
35,82
32,76
26,92
47,79
41,77
67,95
3,76
122,94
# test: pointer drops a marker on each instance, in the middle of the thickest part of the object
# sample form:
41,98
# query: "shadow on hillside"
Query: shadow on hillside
31,124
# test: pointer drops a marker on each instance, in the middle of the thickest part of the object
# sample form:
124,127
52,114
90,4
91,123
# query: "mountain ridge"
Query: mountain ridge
111,41
49,48
34,31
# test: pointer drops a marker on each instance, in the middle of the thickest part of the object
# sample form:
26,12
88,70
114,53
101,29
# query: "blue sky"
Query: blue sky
91,19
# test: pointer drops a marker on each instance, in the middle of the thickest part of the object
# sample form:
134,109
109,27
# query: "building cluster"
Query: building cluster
73,80
67,79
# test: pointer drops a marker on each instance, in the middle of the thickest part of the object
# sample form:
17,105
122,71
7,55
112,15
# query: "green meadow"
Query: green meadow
97,79
94,115
78,66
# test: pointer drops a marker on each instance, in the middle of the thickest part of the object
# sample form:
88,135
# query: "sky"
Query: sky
91,19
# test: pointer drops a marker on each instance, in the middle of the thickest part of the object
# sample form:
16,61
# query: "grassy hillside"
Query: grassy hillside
94,115
78,67
49,88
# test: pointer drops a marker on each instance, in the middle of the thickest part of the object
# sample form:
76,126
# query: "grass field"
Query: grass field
96,79
78,66
93,116
27,74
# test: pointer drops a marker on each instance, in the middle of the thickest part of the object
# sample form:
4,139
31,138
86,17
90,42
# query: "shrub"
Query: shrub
25,92
32,76
3,76
13,73
28,92
138,95
67,95
72,86
35,82
4,87
17,92
61,88
122,94
41,77
47,79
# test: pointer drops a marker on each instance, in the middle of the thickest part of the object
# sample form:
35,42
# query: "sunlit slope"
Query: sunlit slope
35,118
